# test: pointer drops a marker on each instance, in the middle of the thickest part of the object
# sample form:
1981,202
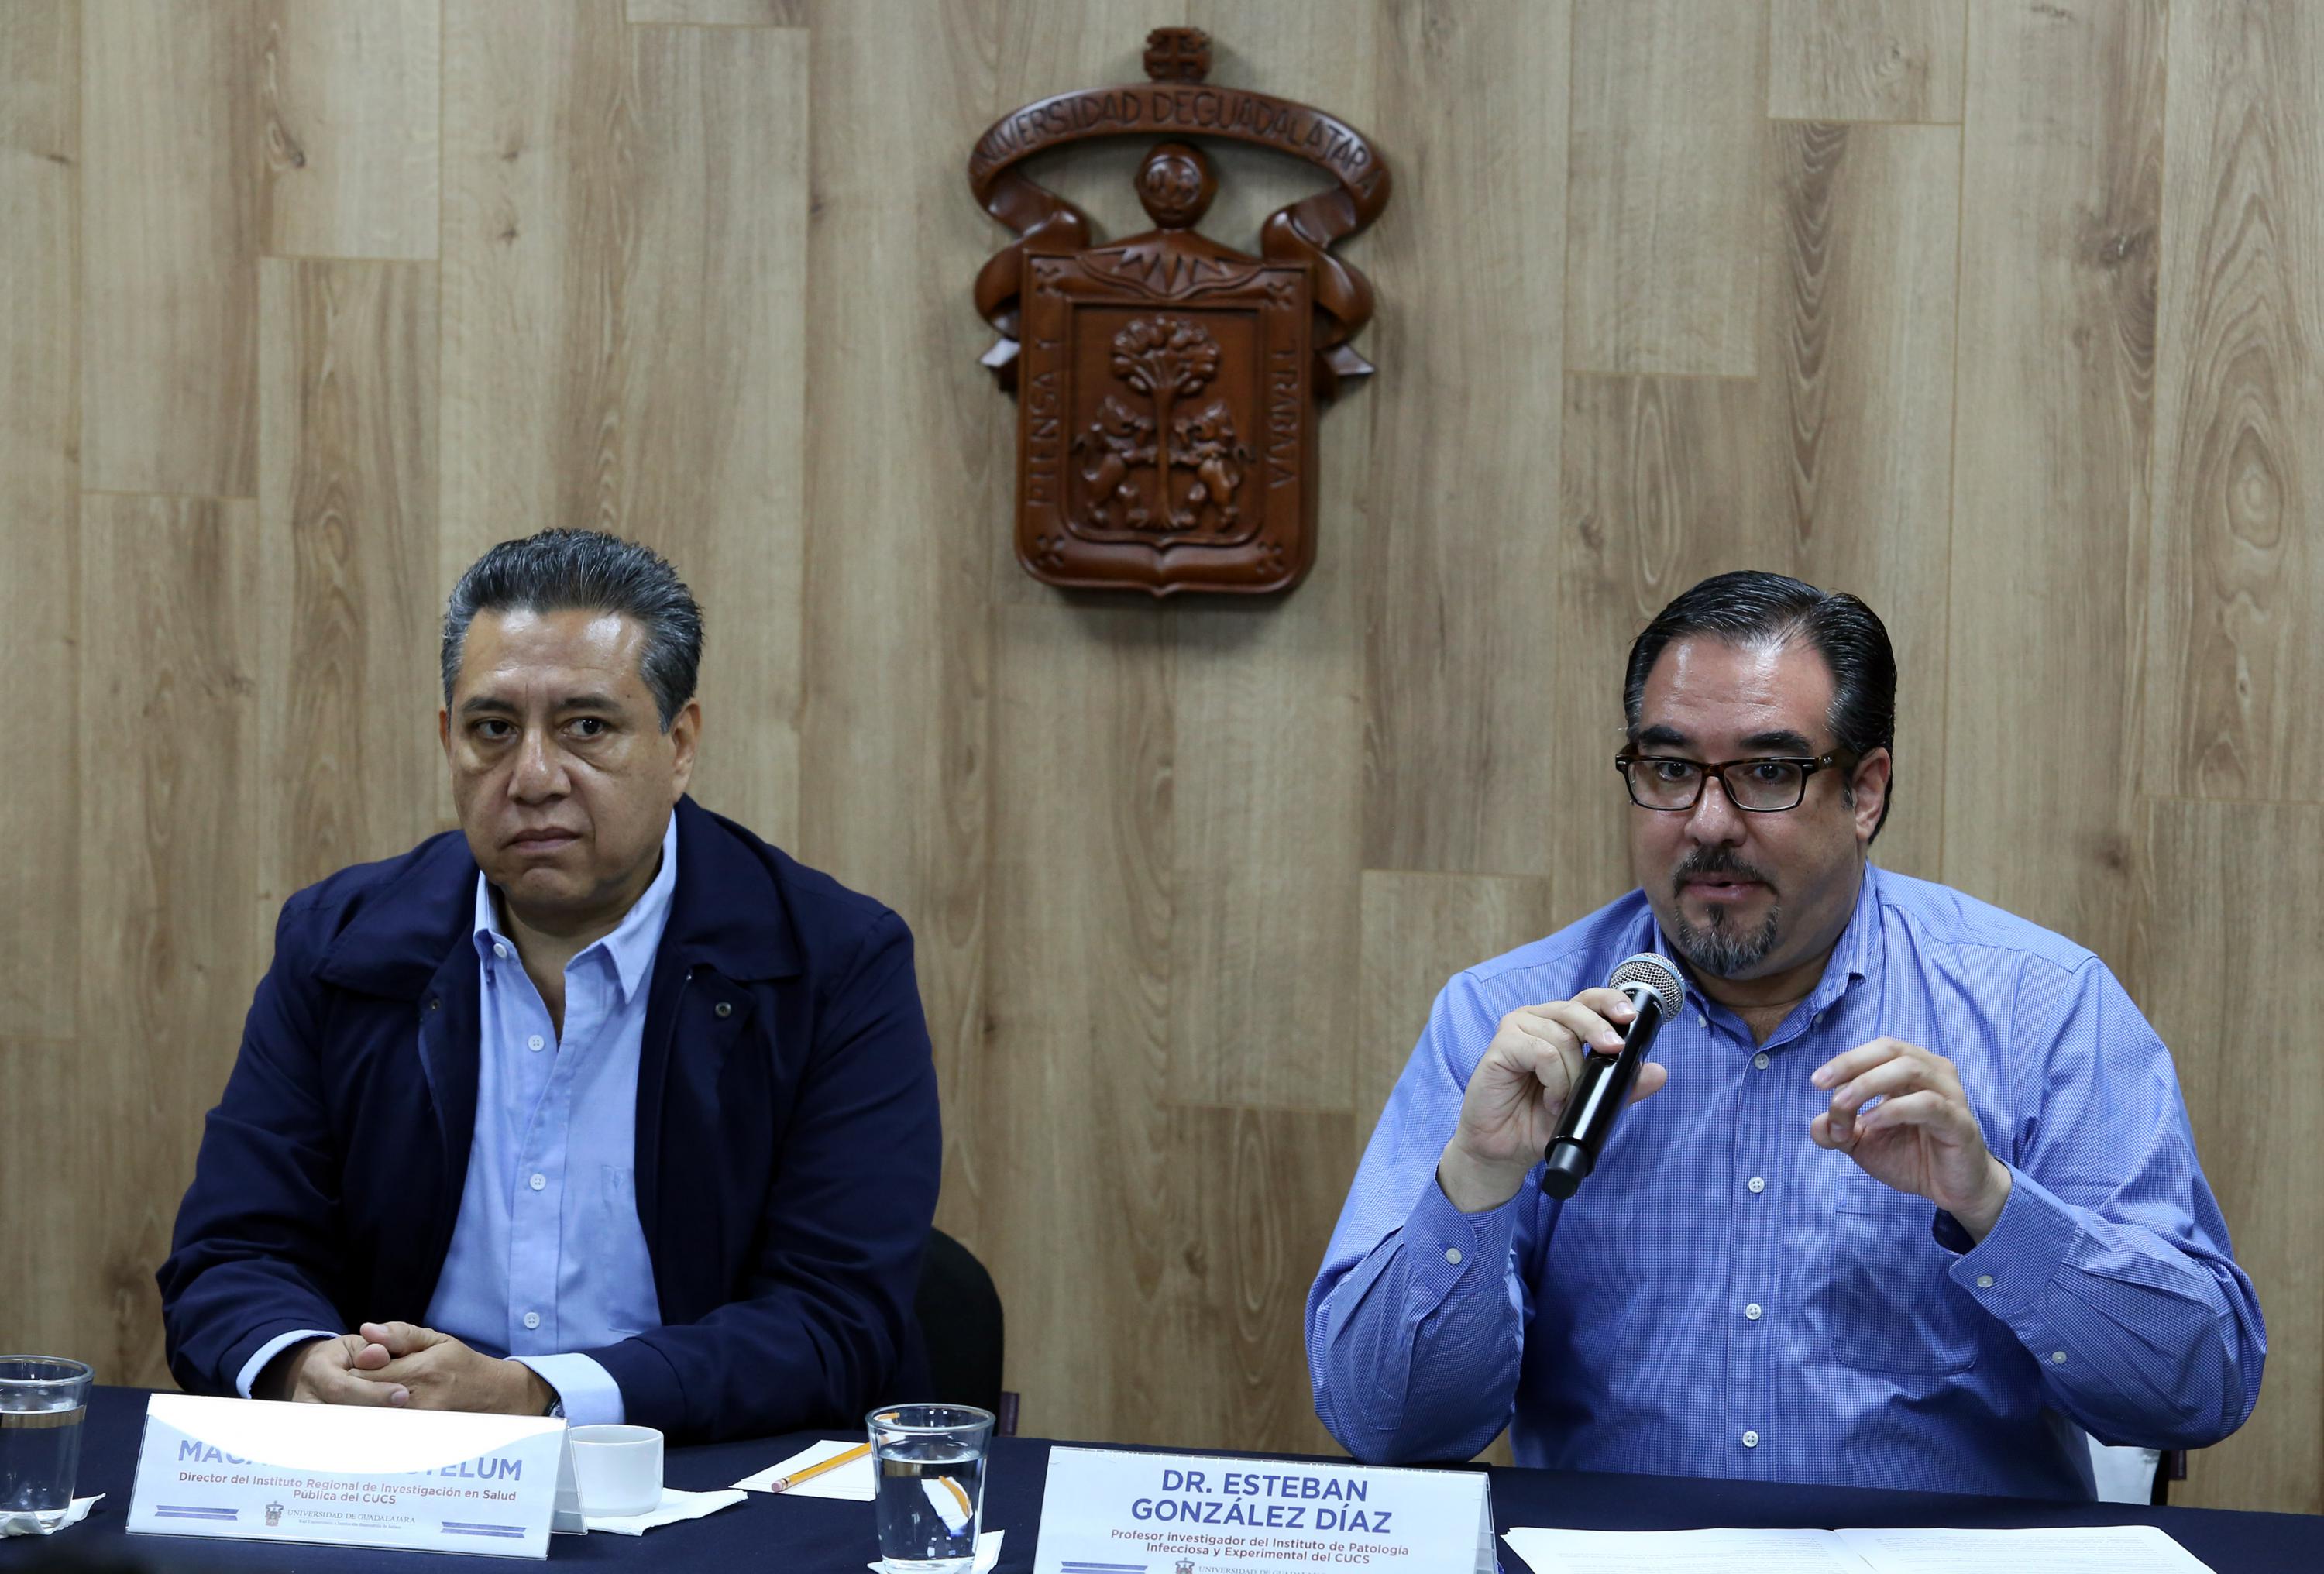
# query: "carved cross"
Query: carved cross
1177,54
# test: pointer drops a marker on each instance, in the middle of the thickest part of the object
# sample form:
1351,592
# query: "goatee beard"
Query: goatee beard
1718,947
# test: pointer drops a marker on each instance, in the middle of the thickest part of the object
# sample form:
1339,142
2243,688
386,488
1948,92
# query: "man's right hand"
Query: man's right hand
1510,1110
328,1371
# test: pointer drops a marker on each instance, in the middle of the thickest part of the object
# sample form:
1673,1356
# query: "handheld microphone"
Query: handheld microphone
1653,985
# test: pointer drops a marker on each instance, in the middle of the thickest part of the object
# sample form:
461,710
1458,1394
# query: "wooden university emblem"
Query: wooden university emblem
1167,385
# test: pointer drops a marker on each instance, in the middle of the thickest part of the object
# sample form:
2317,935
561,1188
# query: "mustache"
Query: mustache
1718,860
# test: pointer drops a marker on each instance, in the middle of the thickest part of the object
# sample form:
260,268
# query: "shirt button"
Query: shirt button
500,950
1750,1440
535,1042
2057,1358
1757,1184
1752,1311
1701,1020
538,1180
1984,1281
1452,1255
533,1319
1760,1060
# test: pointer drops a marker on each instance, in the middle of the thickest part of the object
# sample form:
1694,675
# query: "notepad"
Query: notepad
2123,1549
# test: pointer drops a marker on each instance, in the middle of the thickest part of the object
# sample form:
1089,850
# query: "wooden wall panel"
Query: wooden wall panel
1658,297
1418,931
2235,921
1266,780
2234,667
1461,665
1867,60
40,444
721,12
170,949
1071,1157
169,239
624,265
1253,1198
2061,183
905,463
349,95
1860,276
1661,224
348,765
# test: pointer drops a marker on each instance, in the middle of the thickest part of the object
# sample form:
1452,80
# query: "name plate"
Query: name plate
426,1480
1106,1512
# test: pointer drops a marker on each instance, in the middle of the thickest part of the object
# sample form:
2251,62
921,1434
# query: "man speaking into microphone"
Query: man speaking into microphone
1907,1196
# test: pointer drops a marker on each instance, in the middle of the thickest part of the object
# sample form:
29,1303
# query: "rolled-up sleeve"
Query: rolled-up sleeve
2111,1261
1415,1324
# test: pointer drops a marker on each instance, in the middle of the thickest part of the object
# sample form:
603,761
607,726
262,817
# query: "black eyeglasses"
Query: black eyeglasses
1765,785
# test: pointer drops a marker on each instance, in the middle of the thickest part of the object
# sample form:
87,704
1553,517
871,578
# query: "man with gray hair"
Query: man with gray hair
601,1107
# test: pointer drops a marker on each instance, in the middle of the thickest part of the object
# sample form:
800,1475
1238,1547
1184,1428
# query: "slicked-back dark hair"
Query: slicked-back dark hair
1752,607
559,571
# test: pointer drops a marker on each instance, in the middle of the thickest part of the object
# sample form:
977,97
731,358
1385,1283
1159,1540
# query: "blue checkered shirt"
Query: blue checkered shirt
1723,1298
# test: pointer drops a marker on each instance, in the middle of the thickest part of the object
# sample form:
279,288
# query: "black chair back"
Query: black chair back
962,1328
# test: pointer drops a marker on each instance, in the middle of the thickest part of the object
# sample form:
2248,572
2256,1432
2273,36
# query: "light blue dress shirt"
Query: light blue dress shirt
547,1256
1723,1298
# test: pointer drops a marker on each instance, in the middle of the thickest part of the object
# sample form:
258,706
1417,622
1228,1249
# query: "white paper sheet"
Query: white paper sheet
674,1507
2119,1549
853,1480
1717,1551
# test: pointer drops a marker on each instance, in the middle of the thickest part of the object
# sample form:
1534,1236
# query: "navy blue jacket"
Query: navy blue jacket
787,1149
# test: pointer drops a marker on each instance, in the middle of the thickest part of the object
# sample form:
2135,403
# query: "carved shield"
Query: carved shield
1169,385
1166,431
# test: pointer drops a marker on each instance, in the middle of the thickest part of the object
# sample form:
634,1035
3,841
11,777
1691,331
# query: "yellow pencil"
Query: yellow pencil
784,1483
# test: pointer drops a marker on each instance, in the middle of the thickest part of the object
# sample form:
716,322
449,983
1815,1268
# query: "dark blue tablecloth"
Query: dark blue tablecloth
805,1535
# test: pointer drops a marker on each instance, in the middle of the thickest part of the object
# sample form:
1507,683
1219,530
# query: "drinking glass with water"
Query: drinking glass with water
43,1401
930,1460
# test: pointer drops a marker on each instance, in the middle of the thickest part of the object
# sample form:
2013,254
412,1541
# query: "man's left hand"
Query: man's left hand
1921,1138
440,1372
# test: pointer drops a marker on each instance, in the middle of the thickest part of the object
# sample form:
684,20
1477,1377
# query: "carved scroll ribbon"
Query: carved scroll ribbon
1301,232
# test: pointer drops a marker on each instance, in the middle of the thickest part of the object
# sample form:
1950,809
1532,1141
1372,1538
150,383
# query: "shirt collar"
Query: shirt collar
632,945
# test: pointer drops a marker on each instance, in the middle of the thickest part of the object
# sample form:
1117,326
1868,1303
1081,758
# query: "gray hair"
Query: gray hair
563,570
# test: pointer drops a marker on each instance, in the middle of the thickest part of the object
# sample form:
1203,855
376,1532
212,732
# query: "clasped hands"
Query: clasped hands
1922,1137
401,1365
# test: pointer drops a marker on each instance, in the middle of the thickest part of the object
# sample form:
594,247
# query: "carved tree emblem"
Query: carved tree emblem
1168,384
1166,359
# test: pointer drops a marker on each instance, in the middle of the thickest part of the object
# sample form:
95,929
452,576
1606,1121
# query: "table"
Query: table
784,1535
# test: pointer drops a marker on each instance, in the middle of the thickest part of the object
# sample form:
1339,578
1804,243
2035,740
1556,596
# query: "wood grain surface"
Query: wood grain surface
2228,954
1461,668
174,932
173,160
1661,216
349,98
2003,314
347,473
1866,59
2235,668
2049,514
39,482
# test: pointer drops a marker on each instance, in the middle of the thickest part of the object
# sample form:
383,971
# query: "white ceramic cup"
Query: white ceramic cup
616,1469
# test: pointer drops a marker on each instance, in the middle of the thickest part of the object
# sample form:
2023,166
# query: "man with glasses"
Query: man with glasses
1916,1203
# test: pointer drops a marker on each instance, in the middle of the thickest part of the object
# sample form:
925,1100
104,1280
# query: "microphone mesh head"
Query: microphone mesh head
1656,972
